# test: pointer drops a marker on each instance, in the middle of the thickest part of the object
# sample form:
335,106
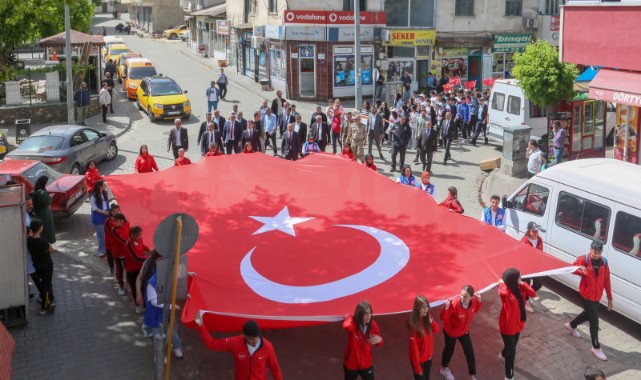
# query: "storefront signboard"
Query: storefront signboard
348,34
448,55
411,37
347,18
510,43
222,27
259,30
305,33
276,32
305,17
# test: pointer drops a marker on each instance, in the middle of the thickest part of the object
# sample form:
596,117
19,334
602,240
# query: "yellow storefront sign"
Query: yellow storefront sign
412,37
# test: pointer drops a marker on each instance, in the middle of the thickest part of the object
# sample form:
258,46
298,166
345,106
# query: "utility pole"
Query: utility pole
70,113
357,54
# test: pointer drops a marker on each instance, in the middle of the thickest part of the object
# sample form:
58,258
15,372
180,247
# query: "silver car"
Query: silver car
67,148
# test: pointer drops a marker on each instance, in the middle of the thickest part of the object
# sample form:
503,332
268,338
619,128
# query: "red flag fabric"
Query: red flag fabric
455,81
489,82
470,84
447,87
294,243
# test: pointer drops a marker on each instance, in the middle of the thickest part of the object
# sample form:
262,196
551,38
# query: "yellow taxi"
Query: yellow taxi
110,40
123,59
115,51
162,98
135,70
174,33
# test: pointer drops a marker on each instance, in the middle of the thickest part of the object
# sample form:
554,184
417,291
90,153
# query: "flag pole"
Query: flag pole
174,284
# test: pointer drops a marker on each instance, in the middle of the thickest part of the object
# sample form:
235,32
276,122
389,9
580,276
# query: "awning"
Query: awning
588,74
216,10
622,87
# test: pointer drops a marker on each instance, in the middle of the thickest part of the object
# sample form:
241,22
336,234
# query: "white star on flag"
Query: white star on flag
281,222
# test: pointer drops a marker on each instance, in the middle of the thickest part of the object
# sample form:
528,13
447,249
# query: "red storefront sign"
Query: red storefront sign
555,23
333,18
617,86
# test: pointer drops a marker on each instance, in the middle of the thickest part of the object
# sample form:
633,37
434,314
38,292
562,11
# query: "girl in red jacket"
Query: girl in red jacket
135,255
513,292
92,175
109,236
457,315
145,163
120,233
532,239
422,328
362,334
451,202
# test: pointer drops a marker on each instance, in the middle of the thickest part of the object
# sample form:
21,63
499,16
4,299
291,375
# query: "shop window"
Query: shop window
537,111
277,63
273,6
599,124
422,13
348,5
514,105
498,101
513,7
588,114
577,117
582,216
532,199
627,234
464,8
397,12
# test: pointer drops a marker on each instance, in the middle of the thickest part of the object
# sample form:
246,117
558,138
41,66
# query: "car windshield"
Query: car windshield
42,143
161,89
118,51
141,72
33,173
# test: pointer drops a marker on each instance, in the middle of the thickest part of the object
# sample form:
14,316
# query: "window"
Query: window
588,115
277,63
273,6
498,101
464,8
32,174
77,139
552,7
627,234
532,199
514,105
91,135
348,5
513,7
582,216
410,13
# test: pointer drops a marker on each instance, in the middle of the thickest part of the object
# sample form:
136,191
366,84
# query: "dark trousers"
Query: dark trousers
336,137
460,125
447,142
223,90
477,131
468,350
536,283
111,105
366,374
591,314
322,145
426,366
37,282
509,353
119,263
131,280
110,260
426,159
470,126
371,139
174,150
271,141
396,150
45,275
105,108
231,146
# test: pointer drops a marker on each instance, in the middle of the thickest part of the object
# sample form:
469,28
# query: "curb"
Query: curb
483,181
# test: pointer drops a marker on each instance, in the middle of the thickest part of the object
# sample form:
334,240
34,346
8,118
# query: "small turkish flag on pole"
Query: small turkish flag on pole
470,84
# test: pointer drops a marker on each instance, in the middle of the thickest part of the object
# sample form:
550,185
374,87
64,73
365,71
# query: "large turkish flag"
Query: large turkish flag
292,243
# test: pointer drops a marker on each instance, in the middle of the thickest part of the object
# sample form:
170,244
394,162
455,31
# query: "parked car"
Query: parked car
172,33
114,52
123,60
135,70
110,40
4,145
162,98
67,148
67,191
184,35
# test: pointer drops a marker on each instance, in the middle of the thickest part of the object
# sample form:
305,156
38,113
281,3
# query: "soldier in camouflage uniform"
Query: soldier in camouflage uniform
356,135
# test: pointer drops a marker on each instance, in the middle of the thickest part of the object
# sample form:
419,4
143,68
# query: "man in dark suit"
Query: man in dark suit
203,126
427,144
319,112
401,135
277,105
251,136
481,124
219,121
290,144
300,128
320,131
233,134
286,118
374,131
448,135
210,137
178,138
241,120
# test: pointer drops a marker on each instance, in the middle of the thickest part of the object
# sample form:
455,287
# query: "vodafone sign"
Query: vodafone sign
333,17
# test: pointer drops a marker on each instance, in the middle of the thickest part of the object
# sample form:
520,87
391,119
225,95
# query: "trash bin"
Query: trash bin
23,130
264,84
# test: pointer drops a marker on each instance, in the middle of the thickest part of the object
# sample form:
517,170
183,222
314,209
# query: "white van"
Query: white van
509,107
577,202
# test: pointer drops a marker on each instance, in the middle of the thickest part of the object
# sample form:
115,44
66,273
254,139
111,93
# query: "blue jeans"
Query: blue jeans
211,104
558,155
175,340
100,237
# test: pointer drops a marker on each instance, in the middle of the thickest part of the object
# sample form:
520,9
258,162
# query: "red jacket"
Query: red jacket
422,349
452,204
539,242
135,255
456,319
372,166
109,234
182,161
248,367
358,353
92,176
591,287
145,164
120,238
510,322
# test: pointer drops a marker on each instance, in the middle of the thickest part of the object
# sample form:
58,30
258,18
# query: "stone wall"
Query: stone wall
45,113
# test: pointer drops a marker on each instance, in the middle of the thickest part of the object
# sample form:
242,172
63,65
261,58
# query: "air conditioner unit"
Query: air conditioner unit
530,23
257,42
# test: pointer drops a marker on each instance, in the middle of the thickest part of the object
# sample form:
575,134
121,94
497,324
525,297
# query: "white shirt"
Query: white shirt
296,127
534,161
178,137
213,95
254,348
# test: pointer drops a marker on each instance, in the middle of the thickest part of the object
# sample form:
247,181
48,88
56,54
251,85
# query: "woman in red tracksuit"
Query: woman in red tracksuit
422,328
362,334
451,202
109,236
457,315
135,255
513,292
120,233
145,163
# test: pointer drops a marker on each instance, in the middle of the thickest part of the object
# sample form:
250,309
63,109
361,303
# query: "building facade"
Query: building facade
154,16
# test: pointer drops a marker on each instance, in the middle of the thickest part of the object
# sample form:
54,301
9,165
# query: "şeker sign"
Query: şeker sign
333,18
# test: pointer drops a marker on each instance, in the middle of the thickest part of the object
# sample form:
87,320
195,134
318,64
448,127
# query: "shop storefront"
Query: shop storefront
246,55
505,45
584,121
467,58
275,57
220,40
409,50
345,70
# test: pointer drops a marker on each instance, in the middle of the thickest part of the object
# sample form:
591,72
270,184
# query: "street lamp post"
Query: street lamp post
357,54
70,113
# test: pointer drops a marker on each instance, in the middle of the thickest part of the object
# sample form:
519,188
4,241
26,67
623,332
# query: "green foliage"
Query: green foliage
542,76
77,68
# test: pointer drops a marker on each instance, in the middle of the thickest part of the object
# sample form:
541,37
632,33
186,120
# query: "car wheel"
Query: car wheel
173,36
112,151
75,169
138,104
150,114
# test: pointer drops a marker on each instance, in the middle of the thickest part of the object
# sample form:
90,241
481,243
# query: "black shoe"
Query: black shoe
112,111
383,158
393,170
415,162
486,141
474,142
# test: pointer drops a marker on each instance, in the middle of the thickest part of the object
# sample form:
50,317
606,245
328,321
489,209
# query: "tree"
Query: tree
542,76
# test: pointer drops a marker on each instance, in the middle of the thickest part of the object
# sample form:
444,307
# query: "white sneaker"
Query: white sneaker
139,309
599,353
445,372
575,333
178,353
501,358
121,291
528,307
